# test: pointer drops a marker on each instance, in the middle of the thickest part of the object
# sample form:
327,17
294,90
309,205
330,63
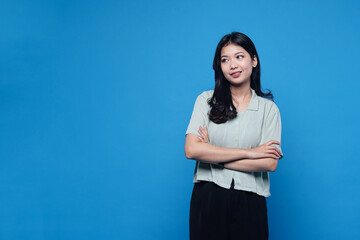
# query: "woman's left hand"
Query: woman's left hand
204,136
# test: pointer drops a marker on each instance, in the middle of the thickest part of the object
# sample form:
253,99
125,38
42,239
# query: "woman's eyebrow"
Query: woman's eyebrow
234,54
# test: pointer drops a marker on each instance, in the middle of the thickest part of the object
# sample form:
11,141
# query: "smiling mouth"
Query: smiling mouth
236,74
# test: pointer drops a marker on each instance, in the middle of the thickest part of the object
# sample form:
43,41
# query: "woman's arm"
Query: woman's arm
199,148
204,151
251,165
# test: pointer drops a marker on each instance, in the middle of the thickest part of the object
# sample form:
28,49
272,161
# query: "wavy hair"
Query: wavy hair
222,107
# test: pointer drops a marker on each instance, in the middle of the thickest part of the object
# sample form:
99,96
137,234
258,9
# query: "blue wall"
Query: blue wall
95,98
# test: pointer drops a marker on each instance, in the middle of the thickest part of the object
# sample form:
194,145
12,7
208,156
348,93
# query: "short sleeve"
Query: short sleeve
199,115
272,127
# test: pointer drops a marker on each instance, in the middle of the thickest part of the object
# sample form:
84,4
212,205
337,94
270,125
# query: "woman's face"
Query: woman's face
236,64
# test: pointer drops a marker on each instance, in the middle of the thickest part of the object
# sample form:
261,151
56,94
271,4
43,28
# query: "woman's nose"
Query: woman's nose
233,65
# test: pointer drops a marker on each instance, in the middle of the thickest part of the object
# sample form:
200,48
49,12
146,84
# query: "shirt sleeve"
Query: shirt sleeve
272,127
199,115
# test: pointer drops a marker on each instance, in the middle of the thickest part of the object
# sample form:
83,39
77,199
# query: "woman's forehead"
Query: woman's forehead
231,49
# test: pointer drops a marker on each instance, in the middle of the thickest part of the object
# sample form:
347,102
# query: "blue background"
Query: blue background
95,98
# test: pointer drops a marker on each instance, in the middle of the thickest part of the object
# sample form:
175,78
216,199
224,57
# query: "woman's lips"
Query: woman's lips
235,74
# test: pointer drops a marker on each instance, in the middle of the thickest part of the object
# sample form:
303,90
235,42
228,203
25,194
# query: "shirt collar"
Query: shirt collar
254,101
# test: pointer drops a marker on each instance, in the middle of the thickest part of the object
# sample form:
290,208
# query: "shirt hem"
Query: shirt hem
243,188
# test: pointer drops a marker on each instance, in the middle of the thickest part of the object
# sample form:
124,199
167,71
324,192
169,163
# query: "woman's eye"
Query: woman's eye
239,56
224,60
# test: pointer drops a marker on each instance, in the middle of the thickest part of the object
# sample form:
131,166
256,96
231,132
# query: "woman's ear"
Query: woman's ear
254,61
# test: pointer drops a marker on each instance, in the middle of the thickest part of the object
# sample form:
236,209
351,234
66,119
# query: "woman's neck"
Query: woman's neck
241,94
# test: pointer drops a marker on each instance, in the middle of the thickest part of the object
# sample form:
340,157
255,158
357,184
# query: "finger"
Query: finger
201,139
272,142
201,129
203,136
205,133
273,151
206,139
276,153
201,133
273,156
277,150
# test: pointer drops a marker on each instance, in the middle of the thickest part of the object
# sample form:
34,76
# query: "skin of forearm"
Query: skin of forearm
253,165
206,152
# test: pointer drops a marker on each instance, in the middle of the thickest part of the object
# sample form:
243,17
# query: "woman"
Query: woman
234,134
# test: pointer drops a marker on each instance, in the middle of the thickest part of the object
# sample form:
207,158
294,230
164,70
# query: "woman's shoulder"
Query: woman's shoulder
267,104
206,95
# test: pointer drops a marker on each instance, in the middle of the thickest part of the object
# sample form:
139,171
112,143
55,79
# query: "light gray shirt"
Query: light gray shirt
252,127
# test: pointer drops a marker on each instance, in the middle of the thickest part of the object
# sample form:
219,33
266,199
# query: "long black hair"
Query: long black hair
222,107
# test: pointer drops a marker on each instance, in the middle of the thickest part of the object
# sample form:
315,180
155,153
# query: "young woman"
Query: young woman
234,134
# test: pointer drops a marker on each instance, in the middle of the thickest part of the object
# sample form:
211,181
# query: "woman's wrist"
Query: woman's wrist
244,153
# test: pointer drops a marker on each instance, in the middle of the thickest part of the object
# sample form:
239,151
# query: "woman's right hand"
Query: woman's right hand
266,150
204,135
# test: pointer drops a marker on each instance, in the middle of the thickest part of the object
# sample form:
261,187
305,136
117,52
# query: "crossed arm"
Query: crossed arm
262,158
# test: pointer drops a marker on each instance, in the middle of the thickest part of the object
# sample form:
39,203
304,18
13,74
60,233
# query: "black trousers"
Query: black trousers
217,213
